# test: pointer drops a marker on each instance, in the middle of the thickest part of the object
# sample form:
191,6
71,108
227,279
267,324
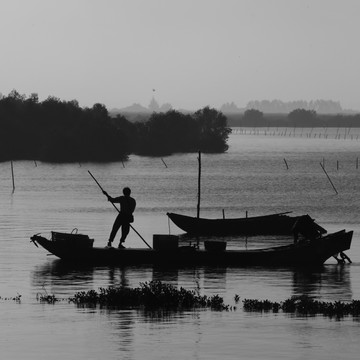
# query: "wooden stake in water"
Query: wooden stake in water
199,185
12,175
163,162
328,178
287,167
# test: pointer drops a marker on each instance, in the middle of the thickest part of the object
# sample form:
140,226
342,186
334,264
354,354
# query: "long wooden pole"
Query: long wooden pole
199,185
119,210
164,162
12,175
322,166
287,167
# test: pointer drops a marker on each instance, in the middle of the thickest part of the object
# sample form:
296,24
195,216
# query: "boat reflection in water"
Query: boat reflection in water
330,282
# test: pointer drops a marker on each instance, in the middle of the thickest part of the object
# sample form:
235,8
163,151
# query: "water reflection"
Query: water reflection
330,282
59,278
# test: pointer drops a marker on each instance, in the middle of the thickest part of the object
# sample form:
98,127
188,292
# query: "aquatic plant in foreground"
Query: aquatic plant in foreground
304,305
16,298
153,294
46,297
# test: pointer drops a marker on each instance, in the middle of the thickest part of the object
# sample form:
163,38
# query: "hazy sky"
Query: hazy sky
192,52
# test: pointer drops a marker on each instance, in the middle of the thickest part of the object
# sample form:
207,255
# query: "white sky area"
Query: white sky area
194,53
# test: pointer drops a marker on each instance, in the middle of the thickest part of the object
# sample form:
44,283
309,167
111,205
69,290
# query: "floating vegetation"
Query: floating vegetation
50,299
304,305
46,298
156,296
16,298
151,295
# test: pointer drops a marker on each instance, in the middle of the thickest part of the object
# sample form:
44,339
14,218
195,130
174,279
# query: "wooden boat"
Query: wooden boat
79,248
273,224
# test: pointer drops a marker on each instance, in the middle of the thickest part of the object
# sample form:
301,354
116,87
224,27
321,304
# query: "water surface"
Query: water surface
252,177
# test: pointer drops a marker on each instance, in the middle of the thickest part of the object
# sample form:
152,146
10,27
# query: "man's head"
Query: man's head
126,191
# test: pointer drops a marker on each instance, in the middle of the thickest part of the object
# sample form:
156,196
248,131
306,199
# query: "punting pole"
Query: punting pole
119,211
328,178
199,185
199,194
12,175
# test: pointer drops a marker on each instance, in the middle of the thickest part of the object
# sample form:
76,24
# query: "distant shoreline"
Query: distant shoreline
342,120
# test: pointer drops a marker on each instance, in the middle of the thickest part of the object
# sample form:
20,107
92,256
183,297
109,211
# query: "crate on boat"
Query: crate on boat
75,240
165,242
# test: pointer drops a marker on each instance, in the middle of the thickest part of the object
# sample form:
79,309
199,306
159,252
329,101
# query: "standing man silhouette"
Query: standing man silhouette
125,216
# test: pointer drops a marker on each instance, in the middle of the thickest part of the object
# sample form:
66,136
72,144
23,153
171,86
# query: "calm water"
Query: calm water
252,177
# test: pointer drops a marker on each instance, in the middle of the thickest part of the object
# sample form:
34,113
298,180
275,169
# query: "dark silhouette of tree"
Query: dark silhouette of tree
253,117
166,133
126,133
302,117
173,131
62,131
213,130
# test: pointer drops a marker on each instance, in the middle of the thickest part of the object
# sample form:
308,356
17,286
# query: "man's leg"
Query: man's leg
114,230
125,228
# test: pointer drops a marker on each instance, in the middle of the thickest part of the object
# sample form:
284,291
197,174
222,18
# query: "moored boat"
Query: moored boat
273,224
79,248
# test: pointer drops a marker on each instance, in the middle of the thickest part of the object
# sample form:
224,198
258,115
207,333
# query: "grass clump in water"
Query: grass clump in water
304,305
16,298
46,297
152,295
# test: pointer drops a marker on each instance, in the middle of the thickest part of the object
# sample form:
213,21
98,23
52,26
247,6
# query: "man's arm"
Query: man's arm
111,199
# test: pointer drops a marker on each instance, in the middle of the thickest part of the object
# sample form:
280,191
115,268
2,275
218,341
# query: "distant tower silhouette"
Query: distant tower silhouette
154,106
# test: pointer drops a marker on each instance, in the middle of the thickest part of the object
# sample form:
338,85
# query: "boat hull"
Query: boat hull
300,254
274,224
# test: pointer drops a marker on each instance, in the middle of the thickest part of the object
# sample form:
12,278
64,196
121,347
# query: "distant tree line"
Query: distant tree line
281,107
296,118
278,106
55,130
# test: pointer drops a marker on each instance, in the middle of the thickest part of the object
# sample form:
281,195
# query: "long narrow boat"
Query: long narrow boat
79,249
273,224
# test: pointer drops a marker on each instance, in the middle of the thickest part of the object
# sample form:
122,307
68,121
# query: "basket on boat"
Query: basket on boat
74,240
